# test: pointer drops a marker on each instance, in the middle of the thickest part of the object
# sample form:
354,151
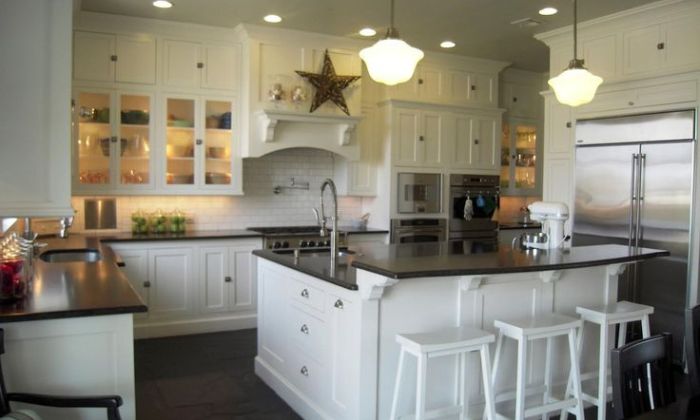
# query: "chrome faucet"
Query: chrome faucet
334,221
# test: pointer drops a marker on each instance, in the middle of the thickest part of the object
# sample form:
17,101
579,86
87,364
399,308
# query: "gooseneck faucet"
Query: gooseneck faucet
334,221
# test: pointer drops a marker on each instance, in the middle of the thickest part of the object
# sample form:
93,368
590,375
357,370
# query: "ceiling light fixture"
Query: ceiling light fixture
367,32
548,11
162,4
575,86
447,44
272,19
391,60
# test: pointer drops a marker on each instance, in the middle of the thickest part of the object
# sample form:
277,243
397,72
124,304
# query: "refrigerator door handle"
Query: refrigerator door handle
633,199
640,199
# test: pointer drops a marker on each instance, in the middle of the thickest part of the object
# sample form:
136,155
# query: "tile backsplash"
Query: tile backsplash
510,207
258,207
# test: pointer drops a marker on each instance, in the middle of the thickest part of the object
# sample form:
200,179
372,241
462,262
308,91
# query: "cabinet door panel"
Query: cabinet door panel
640,53
220,67
481,89
681,42
136,271
432,138
485,143
136,59
244,277
432,84
170,274
459,86
92,57
213,270
462,148
406,136
180,64
273,318
600,56
344,339
558,132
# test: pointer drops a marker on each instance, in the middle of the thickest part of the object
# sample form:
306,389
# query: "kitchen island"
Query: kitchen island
326,340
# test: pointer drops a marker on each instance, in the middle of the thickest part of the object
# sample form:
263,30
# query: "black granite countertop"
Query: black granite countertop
188,235
516,225
452,259
76,289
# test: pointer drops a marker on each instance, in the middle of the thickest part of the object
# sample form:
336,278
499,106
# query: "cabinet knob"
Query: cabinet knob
420,81
339,304
305,293
421,138
147,284
113,57
304,371
305,329
515,99
660,46
476,141
568,124
200,65
199,142
114,139
630,103
228,279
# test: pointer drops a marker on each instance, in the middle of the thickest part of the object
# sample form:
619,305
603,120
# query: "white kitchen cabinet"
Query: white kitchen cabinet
136,271
642,48
474,144
100,57
242,269
359,177
226,278
600,55
343,336
521,157
482,89
521,100
189,64
419,137
558,134
172,282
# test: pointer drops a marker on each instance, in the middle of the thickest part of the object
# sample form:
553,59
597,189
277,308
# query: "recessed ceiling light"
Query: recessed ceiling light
447,44
367,32
272,19
548,11
162,4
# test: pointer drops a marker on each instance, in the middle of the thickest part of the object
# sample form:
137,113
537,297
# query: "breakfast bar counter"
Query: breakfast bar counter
326,340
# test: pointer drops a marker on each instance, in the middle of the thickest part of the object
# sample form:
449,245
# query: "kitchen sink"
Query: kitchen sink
71,255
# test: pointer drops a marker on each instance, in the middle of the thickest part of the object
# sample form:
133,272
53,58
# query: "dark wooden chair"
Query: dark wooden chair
109,402
642,373
692,347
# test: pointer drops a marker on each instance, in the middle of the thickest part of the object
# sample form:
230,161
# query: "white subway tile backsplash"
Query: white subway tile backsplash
259,206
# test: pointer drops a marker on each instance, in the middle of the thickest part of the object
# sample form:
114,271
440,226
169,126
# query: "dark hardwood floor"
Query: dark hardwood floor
206,376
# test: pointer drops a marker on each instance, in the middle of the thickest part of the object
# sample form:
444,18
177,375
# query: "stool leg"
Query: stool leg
646,332
603,371
490,409
462,391
576,375
496,359
622,334
547,375
522,371
420,386
579,345
397,386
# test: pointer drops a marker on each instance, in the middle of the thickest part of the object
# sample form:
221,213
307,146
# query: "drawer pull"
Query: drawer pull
305,329
339,304
304,371
305,293
146,284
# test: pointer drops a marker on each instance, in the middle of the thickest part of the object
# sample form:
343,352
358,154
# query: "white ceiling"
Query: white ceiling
481,28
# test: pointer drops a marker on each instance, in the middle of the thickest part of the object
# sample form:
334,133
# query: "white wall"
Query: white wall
259,206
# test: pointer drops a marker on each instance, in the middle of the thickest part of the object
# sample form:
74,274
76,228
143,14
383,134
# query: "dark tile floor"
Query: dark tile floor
207,376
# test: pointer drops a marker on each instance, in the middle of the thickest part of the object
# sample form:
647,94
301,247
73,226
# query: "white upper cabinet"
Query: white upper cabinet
485,143
642,50
601,55
482,89
680,39
419,137
99,57
195,65
521,100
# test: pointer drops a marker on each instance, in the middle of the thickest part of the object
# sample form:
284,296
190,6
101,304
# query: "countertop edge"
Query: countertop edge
284,262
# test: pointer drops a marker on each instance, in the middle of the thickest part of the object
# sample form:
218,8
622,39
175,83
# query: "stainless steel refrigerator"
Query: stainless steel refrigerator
633,181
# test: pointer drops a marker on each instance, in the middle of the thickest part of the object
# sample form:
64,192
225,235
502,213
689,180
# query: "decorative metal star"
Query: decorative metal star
329,86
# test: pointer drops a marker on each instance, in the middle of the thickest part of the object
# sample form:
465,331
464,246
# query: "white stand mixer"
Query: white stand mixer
552,215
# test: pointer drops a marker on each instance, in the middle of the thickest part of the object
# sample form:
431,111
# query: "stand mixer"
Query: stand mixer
552,215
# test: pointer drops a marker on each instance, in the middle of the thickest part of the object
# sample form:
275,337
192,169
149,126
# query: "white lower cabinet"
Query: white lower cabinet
192,286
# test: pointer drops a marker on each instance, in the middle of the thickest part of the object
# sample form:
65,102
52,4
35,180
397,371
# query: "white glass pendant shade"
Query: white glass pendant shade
575,86
391,61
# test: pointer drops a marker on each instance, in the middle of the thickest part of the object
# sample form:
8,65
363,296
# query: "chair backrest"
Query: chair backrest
4,403
692,347
642,376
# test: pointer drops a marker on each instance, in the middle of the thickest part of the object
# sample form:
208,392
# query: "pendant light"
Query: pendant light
575,86
391,60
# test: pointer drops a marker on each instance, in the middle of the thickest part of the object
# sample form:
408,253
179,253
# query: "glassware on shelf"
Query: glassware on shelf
139,222
158,222
177,221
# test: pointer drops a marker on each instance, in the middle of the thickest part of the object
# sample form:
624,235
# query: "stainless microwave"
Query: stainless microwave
419,193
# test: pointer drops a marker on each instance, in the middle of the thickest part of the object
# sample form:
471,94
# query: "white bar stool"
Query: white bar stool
545,326
607,316
452,341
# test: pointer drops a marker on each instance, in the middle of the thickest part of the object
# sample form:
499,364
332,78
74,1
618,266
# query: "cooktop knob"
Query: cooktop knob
303,244
312,244
285,244
277,245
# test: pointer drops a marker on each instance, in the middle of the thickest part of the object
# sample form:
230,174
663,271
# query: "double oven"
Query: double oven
474,201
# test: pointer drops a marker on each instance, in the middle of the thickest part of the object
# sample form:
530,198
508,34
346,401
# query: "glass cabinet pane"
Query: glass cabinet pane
180,142
505,155
525,156
134,146
217,142
94,135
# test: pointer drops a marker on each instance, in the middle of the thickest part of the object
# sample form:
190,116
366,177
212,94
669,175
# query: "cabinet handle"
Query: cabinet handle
304,329
339,304
472,87
200,65
420,81
568,124
228,279
660,46
114,139
113,57
421,138
515,99
199,142
146,284
476,141
304,371
305,293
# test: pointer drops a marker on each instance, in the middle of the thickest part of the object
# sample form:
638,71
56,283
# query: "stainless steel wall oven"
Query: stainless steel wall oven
474,200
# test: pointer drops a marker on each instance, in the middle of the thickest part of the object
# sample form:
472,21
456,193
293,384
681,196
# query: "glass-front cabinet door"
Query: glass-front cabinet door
180,141
217,142
93,138
134,145
521,146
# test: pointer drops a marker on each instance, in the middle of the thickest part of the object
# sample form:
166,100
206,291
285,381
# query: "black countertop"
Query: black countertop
452,259
188,235
516,225
69,290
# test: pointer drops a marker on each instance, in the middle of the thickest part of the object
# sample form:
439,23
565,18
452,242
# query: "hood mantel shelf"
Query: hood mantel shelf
270,118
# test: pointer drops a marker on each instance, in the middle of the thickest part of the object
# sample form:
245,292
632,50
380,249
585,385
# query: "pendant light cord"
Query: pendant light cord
575,31
391,14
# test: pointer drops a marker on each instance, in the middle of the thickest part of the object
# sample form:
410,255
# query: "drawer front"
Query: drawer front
307,375
309,333
307,295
